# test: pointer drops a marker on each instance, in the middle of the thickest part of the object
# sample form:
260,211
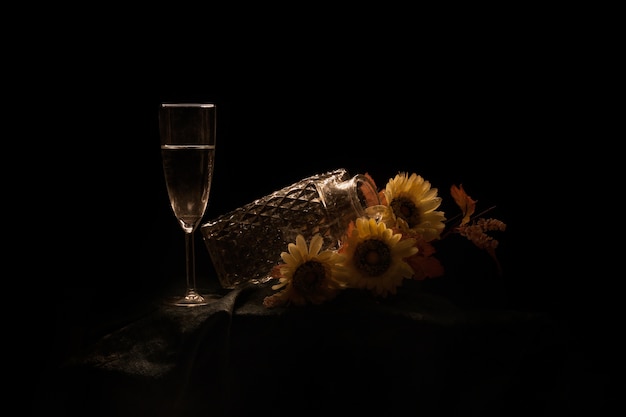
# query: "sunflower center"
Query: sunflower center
405,209
309,276
372,257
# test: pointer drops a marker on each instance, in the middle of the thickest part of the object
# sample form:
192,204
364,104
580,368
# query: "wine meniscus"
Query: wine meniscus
188,173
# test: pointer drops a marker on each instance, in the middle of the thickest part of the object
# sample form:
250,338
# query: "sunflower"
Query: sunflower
308,274
412,205
375,257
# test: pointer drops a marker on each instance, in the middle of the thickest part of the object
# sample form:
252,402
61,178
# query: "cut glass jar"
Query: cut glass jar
246,243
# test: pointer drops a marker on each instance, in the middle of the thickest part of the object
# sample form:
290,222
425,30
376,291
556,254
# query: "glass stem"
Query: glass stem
190,257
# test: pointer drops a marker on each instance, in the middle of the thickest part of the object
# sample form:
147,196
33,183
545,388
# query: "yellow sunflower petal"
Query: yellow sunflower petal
316,244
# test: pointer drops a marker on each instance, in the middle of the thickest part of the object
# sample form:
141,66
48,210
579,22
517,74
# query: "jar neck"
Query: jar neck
364,194
356,193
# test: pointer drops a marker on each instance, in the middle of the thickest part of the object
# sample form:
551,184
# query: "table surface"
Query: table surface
417,349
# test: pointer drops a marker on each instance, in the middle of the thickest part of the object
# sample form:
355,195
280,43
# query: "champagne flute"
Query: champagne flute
187,133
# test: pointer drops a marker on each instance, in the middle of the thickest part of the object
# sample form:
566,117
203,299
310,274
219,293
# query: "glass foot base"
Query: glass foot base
192,299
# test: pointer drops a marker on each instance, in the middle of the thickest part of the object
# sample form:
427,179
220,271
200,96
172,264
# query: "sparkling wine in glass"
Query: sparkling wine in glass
187,133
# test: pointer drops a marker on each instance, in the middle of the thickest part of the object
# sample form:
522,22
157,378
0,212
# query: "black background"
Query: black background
452,125
489,113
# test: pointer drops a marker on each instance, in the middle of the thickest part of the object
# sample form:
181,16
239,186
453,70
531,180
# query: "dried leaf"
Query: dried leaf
423,263
464,201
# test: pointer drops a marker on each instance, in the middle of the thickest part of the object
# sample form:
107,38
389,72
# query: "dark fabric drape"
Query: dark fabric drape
410,354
